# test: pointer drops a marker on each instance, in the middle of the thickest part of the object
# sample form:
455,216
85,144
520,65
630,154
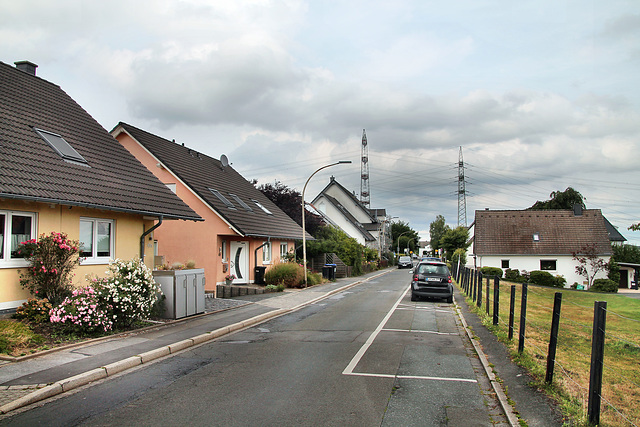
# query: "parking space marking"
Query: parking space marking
420,331
380,328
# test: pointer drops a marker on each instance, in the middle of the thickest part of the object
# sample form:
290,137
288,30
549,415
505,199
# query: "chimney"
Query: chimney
577,209
27,67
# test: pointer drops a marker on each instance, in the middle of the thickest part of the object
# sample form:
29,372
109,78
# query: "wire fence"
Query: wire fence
603,386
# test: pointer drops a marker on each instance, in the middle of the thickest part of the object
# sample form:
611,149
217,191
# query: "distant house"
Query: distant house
538,240
342,209
242,230
61,171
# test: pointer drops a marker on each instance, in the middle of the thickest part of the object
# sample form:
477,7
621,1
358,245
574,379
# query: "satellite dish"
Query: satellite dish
224,161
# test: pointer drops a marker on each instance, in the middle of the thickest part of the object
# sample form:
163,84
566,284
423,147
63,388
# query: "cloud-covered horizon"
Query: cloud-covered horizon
539,96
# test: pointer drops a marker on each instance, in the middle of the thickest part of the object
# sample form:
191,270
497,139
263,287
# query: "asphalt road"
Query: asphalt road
367,356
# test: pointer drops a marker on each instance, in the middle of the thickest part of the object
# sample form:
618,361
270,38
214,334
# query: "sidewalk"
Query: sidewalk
28,381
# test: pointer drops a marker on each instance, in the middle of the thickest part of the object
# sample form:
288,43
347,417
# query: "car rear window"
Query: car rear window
405,259
432,269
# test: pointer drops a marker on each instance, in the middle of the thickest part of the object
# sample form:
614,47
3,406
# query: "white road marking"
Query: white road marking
356,359
420,331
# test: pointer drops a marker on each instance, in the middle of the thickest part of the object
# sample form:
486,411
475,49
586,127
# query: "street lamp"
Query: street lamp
404,232
304,233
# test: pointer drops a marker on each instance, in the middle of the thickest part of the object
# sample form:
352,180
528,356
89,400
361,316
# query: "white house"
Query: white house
539,240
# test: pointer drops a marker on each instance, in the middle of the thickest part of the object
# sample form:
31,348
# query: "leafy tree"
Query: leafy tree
436,230
290,202
626,253
589,263
333,240
634,227
560,200
456,238
408,237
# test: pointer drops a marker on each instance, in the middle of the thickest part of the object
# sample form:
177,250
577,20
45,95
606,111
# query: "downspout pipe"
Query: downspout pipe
255,253
145,235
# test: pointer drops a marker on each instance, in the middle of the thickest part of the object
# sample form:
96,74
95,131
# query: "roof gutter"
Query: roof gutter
145,235
94,206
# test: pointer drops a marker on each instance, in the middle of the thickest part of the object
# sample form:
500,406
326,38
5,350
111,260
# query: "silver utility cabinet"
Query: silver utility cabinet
183,290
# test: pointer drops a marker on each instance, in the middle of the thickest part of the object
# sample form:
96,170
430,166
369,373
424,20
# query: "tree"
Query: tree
634,227
589,263
436,230
290,202
560,200
452,239
626,253
408,237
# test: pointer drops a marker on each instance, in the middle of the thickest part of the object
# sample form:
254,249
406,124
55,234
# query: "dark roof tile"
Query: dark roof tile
31,169
202,173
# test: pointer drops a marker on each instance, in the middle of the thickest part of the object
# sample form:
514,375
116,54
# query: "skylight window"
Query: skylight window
258,204
241,203
222,198
536,237
62,147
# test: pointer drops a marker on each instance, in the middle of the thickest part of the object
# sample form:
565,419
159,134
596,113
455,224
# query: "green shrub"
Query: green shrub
15,335
34,310
491,271
288,273
544,278
314,279
604,285
512,275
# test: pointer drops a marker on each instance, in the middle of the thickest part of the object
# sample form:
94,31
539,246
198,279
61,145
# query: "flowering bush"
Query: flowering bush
83,311
34,310
229,277
51,261
130,291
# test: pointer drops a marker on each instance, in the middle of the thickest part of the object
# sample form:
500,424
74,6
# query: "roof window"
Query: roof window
62,147
258,204
222,198
536,237
241,203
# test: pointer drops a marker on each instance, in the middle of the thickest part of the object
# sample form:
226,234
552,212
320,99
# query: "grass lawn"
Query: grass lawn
621,378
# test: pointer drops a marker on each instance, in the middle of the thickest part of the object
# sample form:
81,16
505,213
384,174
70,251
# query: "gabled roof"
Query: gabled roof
559,232
202,174
31,169
350,218
360,206
614,234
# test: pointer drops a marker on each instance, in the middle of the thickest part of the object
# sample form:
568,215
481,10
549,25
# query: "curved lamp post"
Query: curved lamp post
304,232
404,232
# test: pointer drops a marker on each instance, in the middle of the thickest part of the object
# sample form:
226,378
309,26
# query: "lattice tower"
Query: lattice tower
462,193
364,172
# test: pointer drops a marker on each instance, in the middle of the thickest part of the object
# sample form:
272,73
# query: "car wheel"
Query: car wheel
450,299
414,297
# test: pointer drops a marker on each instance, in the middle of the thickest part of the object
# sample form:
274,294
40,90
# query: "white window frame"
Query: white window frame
94,259
266,253
6,261
224,251
284,249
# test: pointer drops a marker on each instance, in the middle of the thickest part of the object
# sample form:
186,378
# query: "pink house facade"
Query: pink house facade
242,228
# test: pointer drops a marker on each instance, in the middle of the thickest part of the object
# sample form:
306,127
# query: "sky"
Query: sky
539,95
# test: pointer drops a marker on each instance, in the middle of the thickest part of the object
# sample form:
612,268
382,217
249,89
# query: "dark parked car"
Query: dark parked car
431,279
405,262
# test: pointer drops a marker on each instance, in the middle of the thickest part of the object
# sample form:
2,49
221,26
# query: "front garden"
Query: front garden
60,314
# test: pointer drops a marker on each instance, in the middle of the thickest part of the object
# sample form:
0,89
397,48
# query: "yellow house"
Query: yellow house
61,171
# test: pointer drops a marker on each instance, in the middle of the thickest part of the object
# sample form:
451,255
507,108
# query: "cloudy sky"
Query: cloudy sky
541,95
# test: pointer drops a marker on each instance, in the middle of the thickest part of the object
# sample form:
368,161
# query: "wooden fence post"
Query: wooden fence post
597,361
553,338
488,289
496,299
512,311
523,317
479,300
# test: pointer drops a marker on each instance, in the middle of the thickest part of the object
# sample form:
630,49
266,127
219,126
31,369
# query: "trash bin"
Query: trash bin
330,272
258,275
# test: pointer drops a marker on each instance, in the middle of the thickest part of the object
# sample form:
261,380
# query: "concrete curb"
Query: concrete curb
495,384
79,380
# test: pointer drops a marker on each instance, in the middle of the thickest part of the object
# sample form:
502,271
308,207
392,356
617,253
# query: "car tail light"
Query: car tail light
449,279
415,278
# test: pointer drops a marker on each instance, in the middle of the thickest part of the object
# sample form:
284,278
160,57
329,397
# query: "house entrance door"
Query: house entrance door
239,262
